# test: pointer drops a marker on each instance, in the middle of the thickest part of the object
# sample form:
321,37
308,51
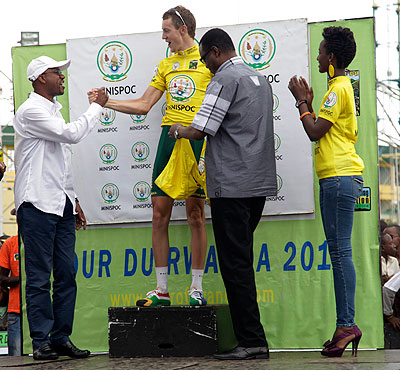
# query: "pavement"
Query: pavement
299,360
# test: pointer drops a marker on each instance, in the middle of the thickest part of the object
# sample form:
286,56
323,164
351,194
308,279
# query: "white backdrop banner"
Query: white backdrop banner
113,165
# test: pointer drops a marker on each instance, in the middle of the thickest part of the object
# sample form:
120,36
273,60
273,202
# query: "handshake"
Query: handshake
98,96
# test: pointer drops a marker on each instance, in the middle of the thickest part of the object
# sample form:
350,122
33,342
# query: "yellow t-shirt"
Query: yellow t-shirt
335,154
185,78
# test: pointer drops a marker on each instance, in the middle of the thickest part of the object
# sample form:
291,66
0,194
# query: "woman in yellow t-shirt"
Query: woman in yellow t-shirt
339,170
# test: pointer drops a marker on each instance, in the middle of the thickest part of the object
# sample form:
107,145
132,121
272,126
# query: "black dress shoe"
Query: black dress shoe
45,352
68,349
244,353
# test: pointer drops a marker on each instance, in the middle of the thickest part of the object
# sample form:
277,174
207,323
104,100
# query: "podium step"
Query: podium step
169,331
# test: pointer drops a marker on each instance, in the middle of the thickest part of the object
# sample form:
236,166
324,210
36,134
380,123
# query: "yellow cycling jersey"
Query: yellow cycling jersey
185,78
335,154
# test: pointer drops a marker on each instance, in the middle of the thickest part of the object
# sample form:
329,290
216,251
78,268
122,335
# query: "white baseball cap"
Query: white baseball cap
37,66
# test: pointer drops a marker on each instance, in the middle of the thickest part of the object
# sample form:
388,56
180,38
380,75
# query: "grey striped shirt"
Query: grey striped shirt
237,116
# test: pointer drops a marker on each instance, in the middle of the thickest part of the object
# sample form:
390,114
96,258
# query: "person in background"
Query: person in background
3,291
237,117
9,279
389,263
391,301
339,169
394,232
382,225
48,210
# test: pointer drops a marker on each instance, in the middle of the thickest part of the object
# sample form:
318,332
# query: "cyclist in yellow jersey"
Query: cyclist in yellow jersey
339,170
185,79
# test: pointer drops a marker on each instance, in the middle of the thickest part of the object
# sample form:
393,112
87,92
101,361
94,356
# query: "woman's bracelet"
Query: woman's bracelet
304,114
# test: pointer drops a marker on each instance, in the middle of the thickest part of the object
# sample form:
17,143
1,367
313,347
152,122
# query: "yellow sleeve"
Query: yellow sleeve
331,106
158,80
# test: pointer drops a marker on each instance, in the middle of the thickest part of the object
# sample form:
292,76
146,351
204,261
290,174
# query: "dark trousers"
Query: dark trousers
234,221
49,243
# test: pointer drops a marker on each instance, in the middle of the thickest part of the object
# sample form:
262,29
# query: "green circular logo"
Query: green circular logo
108,153
275,102
141,191
330,100
277,141
107,117
164,109
257,48
181,88
140,151
114,60
138,118
279,182
110,193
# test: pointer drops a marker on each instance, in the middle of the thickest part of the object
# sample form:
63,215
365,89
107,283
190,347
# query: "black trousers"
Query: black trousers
234,221
49,242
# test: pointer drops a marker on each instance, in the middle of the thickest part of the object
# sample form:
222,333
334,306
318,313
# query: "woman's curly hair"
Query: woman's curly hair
340,41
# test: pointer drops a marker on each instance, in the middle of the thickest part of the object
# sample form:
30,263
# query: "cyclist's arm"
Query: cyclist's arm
136,106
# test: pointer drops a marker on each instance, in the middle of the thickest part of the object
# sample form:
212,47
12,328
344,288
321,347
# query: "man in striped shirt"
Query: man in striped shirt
236,116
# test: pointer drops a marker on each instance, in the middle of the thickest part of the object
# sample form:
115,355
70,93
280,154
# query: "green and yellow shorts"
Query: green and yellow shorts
164,151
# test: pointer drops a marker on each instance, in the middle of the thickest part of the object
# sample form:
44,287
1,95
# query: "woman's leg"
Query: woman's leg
338,196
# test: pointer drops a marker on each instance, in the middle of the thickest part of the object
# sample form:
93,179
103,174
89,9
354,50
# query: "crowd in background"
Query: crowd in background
390,272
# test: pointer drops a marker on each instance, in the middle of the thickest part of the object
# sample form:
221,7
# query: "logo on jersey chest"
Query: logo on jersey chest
181,88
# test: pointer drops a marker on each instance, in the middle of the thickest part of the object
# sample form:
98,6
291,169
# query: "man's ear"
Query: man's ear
183,29
217,51
40,79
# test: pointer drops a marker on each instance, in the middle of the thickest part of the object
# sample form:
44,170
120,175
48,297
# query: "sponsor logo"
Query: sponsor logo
193,64
109,168
140,151
114,207
279,198
202,165
277,141
326,111
363,203
330,100
139,127
155,71
164,109
273,78
141,191
114,60
121,90
141,166
257,48
316,147
275,100
107,129
16,257
110,193
138,118
108,153
187,108
181,88
169,53
107,116
279,182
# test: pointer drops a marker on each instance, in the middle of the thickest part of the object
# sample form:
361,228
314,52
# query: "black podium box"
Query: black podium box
169,331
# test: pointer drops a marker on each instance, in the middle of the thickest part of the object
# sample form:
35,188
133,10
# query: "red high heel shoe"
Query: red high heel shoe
331,349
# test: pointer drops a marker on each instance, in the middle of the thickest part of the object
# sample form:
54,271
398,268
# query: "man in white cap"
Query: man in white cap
47,207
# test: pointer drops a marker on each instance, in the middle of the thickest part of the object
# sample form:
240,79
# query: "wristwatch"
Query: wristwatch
176,134
300,102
